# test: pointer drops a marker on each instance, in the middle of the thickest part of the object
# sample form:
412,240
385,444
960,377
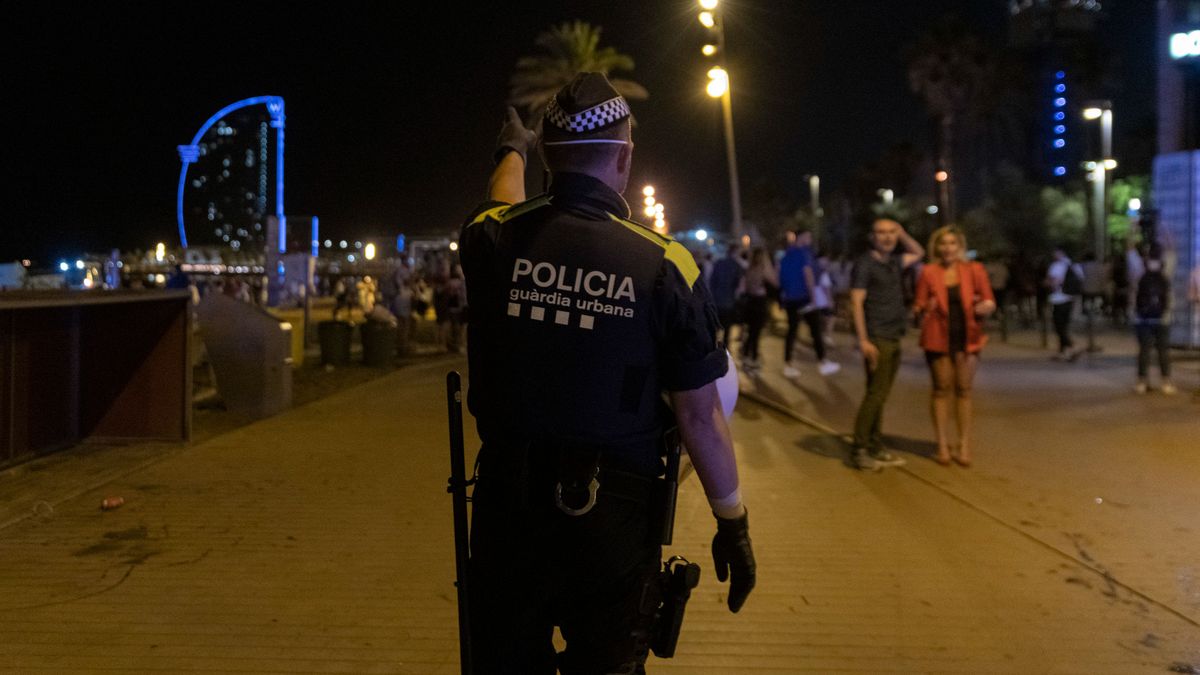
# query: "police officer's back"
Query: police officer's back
580,320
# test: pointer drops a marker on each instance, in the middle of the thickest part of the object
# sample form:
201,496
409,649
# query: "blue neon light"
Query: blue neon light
1060,88
1060,102
189,154
1060,171
1060,129
1060,75
400,243
1058,142
1060,116
316,242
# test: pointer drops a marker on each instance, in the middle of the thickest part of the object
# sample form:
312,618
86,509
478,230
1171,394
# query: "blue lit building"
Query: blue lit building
228,190
1058,42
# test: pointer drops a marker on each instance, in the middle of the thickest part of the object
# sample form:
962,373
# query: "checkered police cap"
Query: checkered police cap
596,117
586,106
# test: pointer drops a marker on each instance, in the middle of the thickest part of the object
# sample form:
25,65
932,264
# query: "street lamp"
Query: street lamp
718,87
718,82
369,252
1101,110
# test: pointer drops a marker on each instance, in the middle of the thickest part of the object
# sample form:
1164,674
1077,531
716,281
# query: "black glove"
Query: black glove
514,137
734,558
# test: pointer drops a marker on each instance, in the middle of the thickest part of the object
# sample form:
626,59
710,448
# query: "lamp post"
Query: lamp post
814,204
718,87
1101,110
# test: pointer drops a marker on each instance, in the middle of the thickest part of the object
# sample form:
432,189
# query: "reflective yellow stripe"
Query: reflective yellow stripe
643,232
684,262
507,211
673,251
525,207
495,213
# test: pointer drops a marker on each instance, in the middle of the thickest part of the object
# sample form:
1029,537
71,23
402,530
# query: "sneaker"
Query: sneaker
790,371
1169,389
828,367
885,458
863,461
1140,388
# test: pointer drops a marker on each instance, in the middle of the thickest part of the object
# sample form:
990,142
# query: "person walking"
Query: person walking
580,321
723,283
759,284
953,298
1152,323
1064,280
880,318
797,283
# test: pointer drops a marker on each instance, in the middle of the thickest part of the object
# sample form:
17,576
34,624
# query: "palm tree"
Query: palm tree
948,68
571,48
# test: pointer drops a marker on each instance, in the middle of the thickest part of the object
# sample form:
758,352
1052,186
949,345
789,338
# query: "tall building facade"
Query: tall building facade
1177,165
229,186
1058,42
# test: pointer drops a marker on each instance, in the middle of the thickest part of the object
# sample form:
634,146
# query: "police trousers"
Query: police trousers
533,567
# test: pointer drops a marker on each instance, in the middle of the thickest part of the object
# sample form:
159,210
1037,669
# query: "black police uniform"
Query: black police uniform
580,319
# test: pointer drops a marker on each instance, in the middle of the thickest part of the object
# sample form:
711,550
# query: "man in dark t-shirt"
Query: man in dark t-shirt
880,317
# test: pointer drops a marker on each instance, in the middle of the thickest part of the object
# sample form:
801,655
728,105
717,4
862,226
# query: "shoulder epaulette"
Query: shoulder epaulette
673,251
508,211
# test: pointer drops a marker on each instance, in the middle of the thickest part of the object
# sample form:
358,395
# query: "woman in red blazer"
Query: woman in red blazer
953,297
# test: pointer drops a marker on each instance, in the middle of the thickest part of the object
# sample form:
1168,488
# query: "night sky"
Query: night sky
393,108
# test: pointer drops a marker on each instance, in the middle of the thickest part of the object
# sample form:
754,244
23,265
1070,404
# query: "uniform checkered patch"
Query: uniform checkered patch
591,119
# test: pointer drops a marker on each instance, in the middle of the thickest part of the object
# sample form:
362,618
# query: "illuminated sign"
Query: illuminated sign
1185,45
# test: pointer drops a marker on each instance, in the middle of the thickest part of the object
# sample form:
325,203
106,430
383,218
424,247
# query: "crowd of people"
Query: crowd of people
434,285
951,297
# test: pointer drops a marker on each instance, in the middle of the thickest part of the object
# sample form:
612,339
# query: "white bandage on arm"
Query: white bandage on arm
730,506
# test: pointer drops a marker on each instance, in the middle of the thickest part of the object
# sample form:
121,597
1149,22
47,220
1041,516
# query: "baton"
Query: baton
457,488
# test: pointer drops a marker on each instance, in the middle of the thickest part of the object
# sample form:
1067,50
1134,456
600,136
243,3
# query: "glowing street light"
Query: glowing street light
369,253
160,251
648,190
941,176
701,235
454,246
708,4
708,50
649,211
659,208
1092,113
707,19
1135,205
649,201
718,82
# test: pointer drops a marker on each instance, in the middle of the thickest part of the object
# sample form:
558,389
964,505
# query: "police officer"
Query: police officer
580,320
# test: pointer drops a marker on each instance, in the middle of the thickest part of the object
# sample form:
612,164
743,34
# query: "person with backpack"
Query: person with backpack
1152,323
1064,280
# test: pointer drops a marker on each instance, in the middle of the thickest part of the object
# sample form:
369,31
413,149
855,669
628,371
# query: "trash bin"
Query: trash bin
334,337
379,343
